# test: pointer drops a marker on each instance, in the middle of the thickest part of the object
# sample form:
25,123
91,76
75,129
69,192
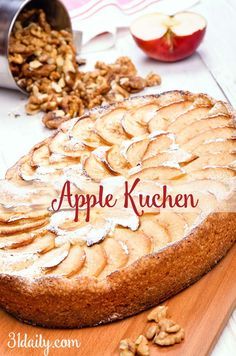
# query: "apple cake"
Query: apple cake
58,271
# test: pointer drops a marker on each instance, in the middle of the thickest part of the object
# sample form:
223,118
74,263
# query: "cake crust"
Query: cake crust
73,303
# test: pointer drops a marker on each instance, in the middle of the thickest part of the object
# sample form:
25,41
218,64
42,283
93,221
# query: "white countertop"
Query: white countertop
211,70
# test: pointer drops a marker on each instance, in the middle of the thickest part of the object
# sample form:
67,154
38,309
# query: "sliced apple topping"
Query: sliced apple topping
159,144
15,263
151,227
40,156
165,115
117,256
204,137
188,118
169,158
21,212
216,146
84,130
49,260
109,126
41,173
63,144
72,263
116,160
21,226
218,173
136,150
96,169
203,125
137,243
135,121
159,173
95,262
15,241
40,244
219,189
217,159
174,223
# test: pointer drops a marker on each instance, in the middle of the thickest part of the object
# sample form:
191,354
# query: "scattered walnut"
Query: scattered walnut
142,348
132,84
166,339
158,313
127,347
152,331
169,326
153,79
54,118
164,333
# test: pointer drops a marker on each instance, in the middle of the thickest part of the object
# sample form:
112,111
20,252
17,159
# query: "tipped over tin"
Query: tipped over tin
57,16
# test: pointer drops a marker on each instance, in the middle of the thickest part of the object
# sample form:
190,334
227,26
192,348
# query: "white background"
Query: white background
212,70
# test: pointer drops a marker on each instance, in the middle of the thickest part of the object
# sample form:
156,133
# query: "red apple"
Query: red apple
169,38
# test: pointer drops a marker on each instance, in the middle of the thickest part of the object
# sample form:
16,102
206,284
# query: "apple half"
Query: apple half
169,38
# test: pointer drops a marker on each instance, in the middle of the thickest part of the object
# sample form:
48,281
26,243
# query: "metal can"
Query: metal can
57,16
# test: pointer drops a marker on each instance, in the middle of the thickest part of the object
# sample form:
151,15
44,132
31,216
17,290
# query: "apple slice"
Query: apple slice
152,228
135,121
21,226
40,156
168,158
72,264
40,244
136,151
165,115
217,146
137,242
95,168
13,263
169,38
50,259
219,189
8,215
161,143
117,256
208,136
95,261
158,173
203,125
84,130
15,241
109,126
61,143
217,173
188,118
218,159
117,161
174,223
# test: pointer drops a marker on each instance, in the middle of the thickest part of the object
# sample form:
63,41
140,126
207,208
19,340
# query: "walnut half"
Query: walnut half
167,339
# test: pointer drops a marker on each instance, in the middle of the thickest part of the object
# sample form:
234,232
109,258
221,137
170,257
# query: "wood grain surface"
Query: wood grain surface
202,309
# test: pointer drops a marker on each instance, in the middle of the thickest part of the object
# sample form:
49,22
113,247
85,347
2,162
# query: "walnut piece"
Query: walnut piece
127,347
152,331
169,326
142,348
158,313
165,332
153,79
167,339
44,58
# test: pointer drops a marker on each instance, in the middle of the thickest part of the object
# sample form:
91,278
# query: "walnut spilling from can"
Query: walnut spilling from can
43,62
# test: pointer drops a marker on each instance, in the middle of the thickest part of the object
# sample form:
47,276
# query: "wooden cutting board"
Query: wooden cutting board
203,310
